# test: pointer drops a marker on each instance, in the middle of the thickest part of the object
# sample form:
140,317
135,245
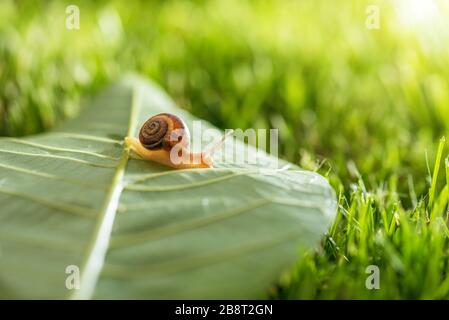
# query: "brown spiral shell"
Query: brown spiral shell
163,131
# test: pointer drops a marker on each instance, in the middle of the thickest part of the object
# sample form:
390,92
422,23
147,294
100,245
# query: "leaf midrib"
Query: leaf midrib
98,246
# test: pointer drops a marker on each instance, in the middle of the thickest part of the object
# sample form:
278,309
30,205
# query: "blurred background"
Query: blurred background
350,101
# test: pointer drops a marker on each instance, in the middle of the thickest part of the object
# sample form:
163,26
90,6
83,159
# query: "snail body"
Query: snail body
165,139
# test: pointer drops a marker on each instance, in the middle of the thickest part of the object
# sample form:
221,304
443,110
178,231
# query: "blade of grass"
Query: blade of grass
436,169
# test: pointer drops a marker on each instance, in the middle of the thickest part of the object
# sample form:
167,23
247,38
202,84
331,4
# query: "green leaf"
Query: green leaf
135,229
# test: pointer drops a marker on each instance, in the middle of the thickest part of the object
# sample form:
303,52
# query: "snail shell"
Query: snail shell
163,131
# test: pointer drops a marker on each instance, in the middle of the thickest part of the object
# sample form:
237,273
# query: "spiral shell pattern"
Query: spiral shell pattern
163,131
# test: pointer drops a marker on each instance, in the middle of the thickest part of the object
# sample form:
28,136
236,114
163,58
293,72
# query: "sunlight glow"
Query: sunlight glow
418,12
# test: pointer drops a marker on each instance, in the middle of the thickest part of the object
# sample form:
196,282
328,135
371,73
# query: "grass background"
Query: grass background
366,108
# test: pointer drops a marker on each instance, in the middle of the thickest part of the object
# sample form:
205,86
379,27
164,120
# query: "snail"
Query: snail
165,139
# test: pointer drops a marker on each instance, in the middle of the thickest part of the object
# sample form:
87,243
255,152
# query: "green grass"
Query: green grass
365,108
372,227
